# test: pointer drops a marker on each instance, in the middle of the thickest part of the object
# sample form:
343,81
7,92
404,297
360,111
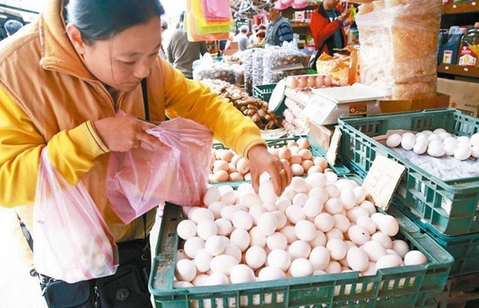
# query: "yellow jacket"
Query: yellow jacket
48,97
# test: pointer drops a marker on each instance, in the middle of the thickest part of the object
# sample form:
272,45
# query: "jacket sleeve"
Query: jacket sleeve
193,100
322,29
72,153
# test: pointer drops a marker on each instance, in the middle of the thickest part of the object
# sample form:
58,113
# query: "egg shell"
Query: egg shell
392,252
401,247
357,259
292,143
315,170
257,238
234,251
289,193
300,199
236,159
319,240
206,229
475,139
186,229
324,222
388,225
289,233
180,255
334,267
320,162
316,180
333,191
295,213
242,166
220,176
242,274
307,164
229,198
297,169
337,249
305,230
242,220
359,235
267,223
299,185
305,154
240,238
333,206
374,250
383,239
367,223
223,264
299,249
280,259
393,141
284,153
376,217
216,208
475,151
193,246
223,227
200,280
415,257
295,160
320,258
281,219
220,165
201,214
360,194
212,195
450,149
371,271
271,273
331,177
388,261
420,147
235,177
202,261
217,279
182,284
256,211
185,270
357,212
328,82
313,207
435,143
341,222
216,245
319,193
436,151
434,137
282,204
301,267
229,211
334,233
462,153
255,257
348,198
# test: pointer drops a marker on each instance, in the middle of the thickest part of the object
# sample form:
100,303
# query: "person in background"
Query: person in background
164,27
12,26
262,27
327,25
279,29
260,37
182,53
252,38
242,38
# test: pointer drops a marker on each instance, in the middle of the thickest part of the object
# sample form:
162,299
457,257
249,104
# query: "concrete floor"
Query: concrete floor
17,288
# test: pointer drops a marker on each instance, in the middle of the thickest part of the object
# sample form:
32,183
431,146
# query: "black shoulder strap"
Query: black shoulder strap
144,90
26,233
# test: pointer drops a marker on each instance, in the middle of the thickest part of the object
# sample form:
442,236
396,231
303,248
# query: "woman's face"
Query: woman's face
122,61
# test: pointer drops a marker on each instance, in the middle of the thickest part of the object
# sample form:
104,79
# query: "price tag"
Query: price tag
382,180
332,153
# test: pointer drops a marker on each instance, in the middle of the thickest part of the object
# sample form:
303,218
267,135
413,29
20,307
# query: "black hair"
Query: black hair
262,27
101,19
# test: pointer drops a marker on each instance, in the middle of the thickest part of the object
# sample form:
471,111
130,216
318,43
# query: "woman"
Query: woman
62,79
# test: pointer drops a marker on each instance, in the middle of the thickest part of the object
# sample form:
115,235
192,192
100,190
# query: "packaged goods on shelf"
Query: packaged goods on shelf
248,70
258,67
398,47
343,70
281,62
469,51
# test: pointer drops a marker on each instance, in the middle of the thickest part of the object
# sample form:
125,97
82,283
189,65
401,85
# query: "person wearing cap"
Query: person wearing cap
279,29
12,26
242,38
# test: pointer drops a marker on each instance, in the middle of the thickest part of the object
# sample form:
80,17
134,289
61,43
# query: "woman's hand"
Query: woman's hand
121,134
260,160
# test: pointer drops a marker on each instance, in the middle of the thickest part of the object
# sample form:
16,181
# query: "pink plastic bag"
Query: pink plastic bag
141,179
71,239
216,9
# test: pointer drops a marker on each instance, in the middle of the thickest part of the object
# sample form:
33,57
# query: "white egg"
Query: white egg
357,259
334,233
271,273
225,189
341,222
216,245
320,258
216,208
200,214
202,260
300,199
444,136
464,139
415,257
280,259
334,267
348,198
475,139
217,279
242,220
383,239
299,249
255,257
200,280
324,222
186,229
257,238
451,140
367,223
344,184
376,217
229,211
388,261
185,270
434,137
393,141
242,274
462,152
229,198
369,206
256,211
212,195
313,207
281,219
333,206
357,212
337,249
301,267
289,193
389,225
277,241
420,148
331,177
450,149
267,223
193,246
240,238
223,227
182,284
423,138
299,185
439,131
250,199
392,252
475,151
180,255
245,188
290,234
436,151
223,264
266,192
359,235
374,250
360,194
401,247
317,180
407,141
206,229
305,230
295,213
319,193
319,240
234,251
371,271
427,132
436,144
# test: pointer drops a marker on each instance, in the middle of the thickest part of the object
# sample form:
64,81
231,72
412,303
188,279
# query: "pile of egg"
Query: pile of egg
226,165
437,144
320,225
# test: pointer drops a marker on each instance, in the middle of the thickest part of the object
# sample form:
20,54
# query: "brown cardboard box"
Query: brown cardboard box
440,101
321,134
464,95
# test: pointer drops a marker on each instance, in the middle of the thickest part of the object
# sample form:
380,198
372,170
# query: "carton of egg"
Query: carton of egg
320,225
437,144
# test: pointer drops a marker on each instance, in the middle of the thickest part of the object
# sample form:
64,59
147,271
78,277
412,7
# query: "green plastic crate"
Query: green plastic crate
412,286
264,92
426,195
463,248
280,142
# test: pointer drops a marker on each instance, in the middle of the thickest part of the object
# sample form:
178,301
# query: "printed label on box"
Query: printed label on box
468,57
447,59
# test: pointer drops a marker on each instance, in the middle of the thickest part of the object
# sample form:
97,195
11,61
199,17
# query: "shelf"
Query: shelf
458,70
300,25
462,7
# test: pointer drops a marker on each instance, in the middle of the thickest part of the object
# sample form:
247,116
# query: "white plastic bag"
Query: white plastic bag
71,239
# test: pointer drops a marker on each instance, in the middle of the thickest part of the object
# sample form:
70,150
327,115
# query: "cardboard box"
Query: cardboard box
464,95
321,134
440,101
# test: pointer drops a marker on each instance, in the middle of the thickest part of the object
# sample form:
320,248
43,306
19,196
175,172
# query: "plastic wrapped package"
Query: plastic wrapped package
177,172
398,46
206,68
248,70
258,67
71,239
276,75
284,58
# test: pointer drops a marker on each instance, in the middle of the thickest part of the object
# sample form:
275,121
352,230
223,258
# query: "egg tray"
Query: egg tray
450,207
315,149
463,248
410,286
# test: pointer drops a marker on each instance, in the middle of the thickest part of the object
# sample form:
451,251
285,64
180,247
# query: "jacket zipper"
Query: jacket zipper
97,297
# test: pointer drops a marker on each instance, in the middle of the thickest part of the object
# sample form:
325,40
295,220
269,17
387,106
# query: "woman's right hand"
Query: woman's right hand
121,134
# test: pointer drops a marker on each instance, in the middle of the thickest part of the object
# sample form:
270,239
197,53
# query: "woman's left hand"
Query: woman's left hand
260,161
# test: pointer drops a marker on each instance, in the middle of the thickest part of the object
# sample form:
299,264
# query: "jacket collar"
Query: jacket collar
322,11
58,53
